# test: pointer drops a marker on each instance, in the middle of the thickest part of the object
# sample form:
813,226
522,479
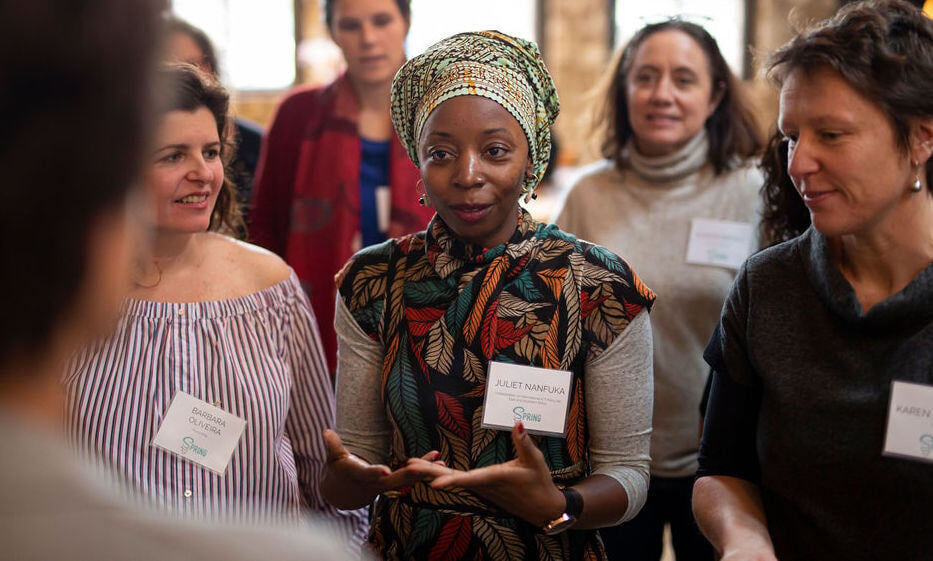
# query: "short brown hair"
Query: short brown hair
883,49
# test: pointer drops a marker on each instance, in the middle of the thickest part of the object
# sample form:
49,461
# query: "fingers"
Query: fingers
525,449
337,453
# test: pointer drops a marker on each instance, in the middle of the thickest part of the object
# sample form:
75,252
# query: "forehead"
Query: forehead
822,94
187,126
671,49
470,115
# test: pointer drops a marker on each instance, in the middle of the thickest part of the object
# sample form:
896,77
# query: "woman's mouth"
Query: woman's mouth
472,212
193,200
815,198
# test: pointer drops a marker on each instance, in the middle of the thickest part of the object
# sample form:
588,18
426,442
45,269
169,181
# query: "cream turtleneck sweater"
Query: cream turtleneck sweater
643,213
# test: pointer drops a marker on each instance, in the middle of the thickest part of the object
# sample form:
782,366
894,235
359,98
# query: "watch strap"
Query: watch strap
574,501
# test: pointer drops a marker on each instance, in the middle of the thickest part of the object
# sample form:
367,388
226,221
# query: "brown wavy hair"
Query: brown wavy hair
189,89
733,133
883,49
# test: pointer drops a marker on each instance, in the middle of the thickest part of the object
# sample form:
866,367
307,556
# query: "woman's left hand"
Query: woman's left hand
522,486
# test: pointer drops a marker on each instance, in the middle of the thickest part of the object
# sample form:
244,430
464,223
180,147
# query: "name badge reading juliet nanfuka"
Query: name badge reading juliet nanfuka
910,422
537,397
197,431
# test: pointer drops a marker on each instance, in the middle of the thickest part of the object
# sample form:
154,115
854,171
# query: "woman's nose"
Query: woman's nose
662,91
800,160
469,171
200,171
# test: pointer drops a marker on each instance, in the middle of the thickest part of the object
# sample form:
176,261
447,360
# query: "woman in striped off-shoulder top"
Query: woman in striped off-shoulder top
217,321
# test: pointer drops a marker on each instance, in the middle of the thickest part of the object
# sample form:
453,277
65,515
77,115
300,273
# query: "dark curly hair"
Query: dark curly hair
883,49
404,7
188,89
733,133
783,214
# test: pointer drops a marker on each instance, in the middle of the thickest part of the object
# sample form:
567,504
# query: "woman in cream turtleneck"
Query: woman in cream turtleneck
677,195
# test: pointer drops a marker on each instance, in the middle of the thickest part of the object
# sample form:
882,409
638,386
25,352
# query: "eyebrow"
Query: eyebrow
656,69
182,146
498,130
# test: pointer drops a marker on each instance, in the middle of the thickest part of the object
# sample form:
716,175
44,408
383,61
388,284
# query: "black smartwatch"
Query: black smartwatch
572,511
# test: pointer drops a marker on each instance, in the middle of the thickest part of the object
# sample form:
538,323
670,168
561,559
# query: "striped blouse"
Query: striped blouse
258,357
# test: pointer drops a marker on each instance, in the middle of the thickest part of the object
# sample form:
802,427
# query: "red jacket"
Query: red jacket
306,198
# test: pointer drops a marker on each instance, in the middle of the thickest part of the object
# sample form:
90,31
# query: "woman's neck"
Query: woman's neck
169,253
880,263
373,97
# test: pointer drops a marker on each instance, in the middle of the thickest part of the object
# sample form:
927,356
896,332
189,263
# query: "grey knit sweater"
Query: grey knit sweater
643,213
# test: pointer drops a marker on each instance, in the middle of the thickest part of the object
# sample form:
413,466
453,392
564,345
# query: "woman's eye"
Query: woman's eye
345,25
438,154
172,158
830,135
642,78
212,153
496,151
382,20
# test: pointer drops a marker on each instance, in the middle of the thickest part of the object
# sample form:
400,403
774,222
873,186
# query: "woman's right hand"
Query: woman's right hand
352,482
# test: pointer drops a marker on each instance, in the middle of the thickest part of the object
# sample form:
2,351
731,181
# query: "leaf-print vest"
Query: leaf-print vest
443,309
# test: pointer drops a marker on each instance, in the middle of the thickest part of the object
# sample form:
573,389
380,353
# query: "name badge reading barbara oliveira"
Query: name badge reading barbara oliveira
537,397
199,432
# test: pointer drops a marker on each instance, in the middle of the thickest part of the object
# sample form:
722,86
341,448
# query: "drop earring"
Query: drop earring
916,186
423,197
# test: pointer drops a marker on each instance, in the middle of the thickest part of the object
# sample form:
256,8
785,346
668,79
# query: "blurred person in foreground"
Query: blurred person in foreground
67,245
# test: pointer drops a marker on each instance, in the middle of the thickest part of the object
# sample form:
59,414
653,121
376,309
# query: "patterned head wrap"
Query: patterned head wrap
505,69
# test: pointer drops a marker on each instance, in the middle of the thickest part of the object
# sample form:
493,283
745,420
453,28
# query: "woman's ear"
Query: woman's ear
716,99
921,140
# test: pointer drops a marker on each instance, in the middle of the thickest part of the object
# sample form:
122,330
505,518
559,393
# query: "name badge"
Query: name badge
910,422
383,208
199,432
537,397
720,243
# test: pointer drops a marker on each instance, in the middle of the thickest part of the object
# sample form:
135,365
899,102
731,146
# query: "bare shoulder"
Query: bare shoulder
256,267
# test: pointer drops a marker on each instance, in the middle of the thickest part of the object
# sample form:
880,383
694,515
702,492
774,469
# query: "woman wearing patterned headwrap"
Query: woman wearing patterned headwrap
421,319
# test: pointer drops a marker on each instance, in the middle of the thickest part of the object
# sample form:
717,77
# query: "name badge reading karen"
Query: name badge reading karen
720,243
199,432
910,422
537,397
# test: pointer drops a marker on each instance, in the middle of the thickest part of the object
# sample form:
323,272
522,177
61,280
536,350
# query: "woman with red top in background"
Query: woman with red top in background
332,175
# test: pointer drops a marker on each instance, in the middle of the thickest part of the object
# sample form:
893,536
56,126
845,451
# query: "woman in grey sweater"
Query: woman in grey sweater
678,195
